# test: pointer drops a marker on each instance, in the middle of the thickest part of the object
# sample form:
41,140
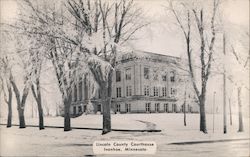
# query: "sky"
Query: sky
159,37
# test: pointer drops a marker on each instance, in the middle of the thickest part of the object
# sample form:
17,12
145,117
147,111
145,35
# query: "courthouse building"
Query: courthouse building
143,82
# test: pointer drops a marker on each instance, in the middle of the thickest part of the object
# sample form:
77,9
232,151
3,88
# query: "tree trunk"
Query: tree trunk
240,111
203,126
67,103
40,112
9,121
38,98
106,99
21,117
106,125
184,109
20,102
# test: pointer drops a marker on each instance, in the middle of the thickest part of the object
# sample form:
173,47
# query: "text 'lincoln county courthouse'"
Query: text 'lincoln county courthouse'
143,82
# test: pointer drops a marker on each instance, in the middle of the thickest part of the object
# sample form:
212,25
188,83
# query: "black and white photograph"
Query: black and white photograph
92,78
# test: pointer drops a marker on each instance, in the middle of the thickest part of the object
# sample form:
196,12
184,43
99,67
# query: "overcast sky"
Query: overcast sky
157,37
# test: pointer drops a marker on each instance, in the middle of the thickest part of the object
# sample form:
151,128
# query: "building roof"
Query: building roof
172,61
154,57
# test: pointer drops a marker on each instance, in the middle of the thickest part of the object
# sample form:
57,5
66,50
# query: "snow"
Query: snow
55,142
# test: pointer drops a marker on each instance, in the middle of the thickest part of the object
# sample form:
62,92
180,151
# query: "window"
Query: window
164,77
146,90
128,90
173,91
146,73
118,76
166,107
128,74
172,76
164,91
157,107
189,108
80,89
156,92
147,107
75,92
128,107
118,92
79,109
118,107
155,75
74,110
174,107
84,108
99,108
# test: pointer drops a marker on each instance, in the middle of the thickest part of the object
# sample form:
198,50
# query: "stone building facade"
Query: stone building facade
143,82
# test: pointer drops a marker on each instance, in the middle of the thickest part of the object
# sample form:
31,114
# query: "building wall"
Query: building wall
138,82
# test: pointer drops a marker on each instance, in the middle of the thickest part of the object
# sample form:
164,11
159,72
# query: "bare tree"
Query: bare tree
5,71
28,50
241,128
69,42
21,99
58,38
113,25
36,86
239,85
18,57
205,55
5,83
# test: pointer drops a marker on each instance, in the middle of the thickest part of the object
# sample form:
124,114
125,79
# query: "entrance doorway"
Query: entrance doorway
99,108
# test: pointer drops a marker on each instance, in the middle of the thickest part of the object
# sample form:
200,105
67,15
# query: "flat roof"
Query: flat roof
155,57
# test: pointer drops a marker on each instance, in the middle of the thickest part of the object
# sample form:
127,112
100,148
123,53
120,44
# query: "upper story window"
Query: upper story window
156,91
118,76
129,90
118,92
155,74
146,73
173,91
164,77
172,76
146,90
128,74
164,91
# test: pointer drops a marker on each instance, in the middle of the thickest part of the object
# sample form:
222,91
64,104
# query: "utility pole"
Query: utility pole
32,109
230,111
184,109
224,89
213,109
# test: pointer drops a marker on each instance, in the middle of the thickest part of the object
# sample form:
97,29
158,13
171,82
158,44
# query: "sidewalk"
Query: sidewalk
209,141
84,128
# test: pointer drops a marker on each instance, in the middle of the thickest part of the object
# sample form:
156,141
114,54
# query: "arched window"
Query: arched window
172,76
118,76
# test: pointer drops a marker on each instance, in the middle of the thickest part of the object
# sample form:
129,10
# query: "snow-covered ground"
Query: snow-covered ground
56,142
